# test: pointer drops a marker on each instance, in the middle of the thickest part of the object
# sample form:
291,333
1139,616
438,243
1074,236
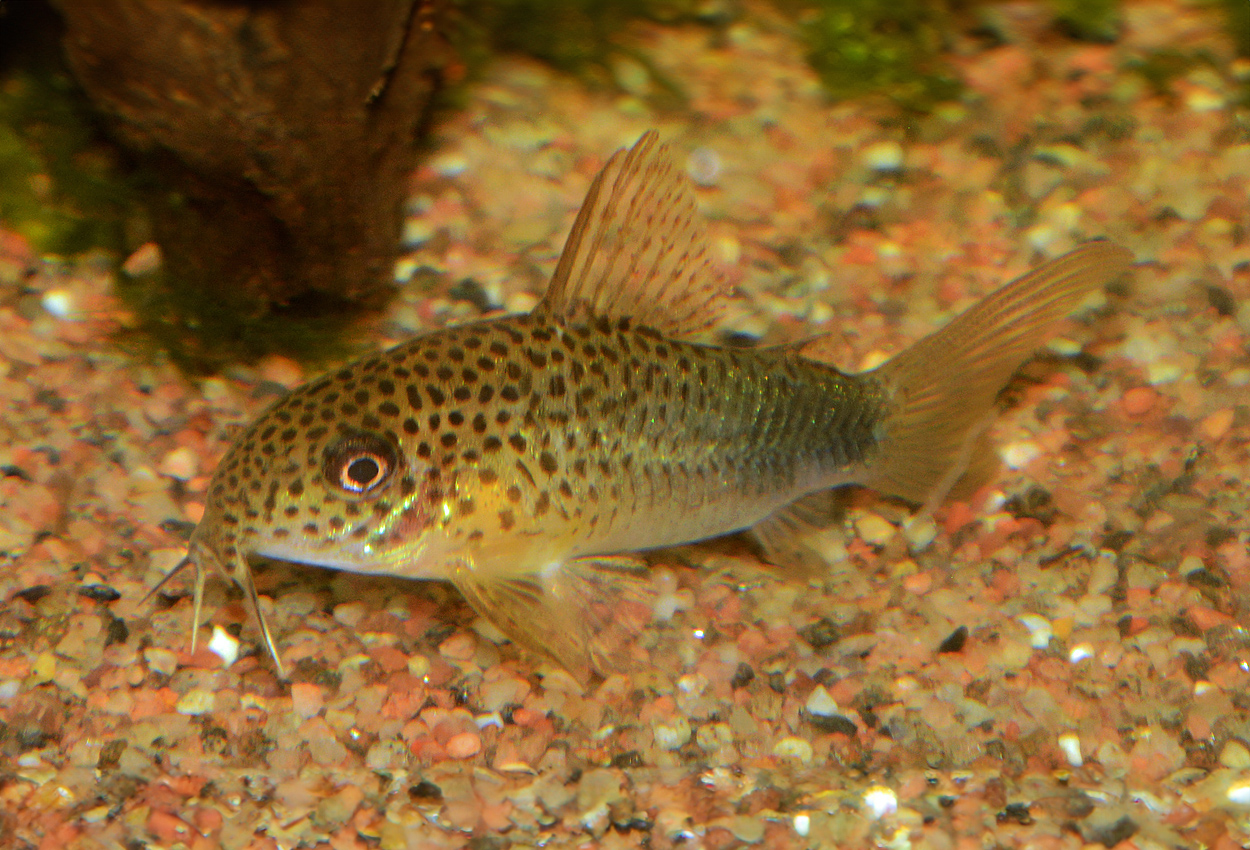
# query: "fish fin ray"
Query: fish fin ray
786,537
638,249
941,391
582,614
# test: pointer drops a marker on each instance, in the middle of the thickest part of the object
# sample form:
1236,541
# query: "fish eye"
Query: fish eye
359,464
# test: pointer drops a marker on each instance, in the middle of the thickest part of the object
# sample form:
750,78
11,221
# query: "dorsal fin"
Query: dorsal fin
638,249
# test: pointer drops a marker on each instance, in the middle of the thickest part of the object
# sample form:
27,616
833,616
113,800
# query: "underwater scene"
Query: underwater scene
763,424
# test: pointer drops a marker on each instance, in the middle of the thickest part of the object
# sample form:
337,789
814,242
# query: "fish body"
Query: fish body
521,457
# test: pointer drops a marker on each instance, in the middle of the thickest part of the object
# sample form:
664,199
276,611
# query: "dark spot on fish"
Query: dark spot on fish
507,519
547,462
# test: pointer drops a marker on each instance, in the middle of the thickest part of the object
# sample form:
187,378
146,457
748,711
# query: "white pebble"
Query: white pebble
919,531
449,165
1164,371
1021,454
1080,652
1204,100
873,529
492,719
59,302
417,231
181,463
883,156
9,688
1239,792
703,165
224,645
880,801
672,735
405,268
802,824
793,747
820,703
1071,746
1039,628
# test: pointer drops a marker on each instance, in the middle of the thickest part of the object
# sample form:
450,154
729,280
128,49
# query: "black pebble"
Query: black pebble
955,640
822,633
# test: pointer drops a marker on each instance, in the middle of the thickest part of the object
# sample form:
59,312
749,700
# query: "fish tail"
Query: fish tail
941,391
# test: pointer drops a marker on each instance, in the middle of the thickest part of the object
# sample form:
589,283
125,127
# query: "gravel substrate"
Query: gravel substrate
1057,659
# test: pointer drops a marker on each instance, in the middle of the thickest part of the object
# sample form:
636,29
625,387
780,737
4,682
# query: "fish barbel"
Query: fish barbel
523,458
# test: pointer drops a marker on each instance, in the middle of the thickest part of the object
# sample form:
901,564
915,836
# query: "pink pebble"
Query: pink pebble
306,699
1216,425
464,745
181,463
1139,401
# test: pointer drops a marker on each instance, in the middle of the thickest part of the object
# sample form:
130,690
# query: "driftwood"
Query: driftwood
283,129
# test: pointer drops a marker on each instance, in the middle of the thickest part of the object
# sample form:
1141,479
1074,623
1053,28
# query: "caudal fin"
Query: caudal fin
941,391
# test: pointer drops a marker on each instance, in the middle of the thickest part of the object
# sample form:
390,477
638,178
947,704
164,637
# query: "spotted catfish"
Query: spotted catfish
524,458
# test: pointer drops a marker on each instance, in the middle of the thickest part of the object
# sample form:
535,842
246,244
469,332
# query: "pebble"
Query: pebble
306,699
1040,631
1215,425
793,747
883,156
182,463
1070,744
464,745
820,703
195,702
873,529
671,735
59,303
919,531
704,166
1239,792
1020,454
44,668
1235,755
146,259
1139,401
160,661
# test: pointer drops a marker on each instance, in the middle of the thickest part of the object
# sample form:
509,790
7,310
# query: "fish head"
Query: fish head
322,478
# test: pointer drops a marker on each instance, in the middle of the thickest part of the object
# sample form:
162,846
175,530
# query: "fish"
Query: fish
532,460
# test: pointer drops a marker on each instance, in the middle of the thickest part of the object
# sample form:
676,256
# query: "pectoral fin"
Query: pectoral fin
582,613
